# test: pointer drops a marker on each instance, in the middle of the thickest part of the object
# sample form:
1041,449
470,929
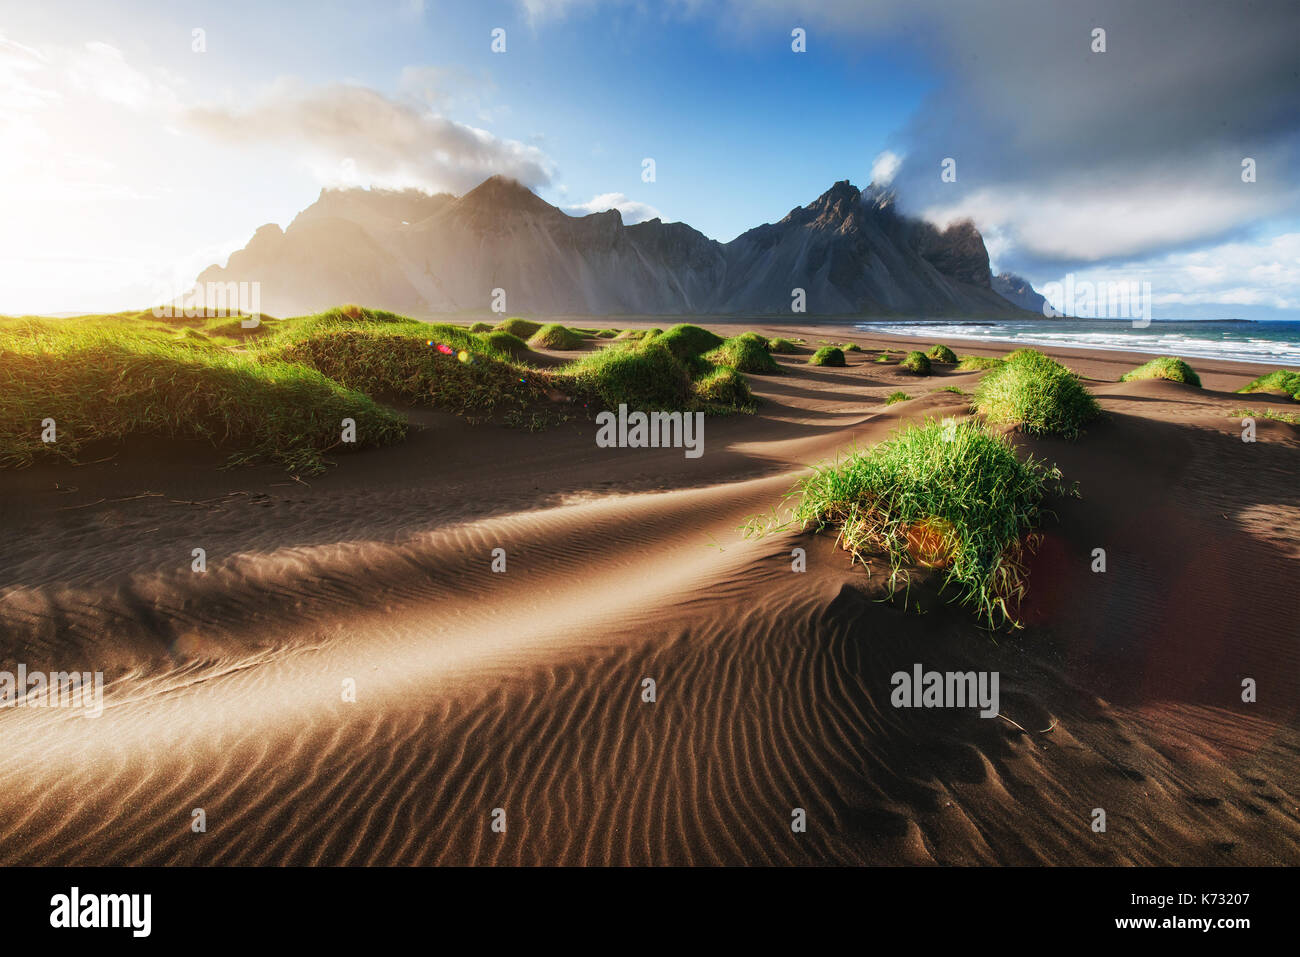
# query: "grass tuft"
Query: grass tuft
1037,394
827,356
523,328
1164,367
644,375
1290,418
941,353
783,347
723,389
555,336
745,353
685,340
638,334
949,495
916,362
977,363
897,397
1280,380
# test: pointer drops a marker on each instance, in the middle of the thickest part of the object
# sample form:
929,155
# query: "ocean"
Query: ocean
1266,342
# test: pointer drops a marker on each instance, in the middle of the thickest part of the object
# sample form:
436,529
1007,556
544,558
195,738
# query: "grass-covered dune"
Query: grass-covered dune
1280,380
281,390
747,352
555,336
941,353
978,363
827,356
950,495
98,382
685,340
1036,394
918,363
523,328
1164,367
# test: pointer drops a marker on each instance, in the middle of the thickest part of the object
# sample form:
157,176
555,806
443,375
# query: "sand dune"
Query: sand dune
523,690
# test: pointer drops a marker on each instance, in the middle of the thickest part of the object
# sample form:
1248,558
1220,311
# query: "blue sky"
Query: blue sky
135,160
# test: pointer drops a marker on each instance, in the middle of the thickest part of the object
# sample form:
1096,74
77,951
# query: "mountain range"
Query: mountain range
850,251
1017,290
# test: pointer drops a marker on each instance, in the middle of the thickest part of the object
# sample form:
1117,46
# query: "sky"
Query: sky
141,142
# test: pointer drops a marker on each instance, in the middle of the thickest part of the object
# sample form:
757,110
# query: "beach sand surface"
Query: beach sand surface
523,691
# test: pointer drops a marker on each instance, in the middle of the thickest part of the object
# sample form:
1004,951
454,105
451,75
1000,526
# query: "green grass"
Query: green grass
1280,380
685,340
639,334
948,495
1290,418
745,353
504,345
1164,367
401,367
827,356
118,381
480,327
916,362
523,328
498,345
282,393
1036,394
941,353
956,390
723,389
897,397
883,357
607,334
555,336
783,347
977,363
851,347
645,375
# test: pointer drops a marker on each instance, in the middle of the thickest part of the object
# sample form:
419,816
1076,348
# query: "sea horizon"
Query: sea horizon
1261,341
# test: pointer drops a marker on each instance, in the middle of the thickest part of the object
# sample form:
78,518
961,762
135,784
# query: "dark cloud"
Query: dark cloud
1157,125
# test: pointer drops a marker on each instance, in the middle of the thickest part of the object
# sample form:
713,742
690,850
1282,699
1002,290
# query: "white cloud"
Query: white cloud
1241,273
1050,223
884,168
102,70
353,135
631,210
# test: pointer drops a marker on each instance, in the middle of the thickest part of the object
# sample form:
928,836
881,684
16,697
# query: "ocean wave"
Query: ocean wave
1247,342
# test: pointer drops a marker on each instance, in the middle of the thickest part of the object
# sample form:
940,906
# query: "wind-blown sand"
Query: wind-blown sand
522,690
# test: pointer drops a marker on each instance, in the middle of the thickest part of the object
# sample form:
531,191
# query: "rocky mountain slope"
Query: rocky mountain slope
1017,291
851,252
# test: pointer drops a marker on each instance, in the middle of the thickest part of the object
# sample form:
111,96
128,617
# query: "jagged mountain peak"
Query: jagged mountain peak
503,193
831,208
849,250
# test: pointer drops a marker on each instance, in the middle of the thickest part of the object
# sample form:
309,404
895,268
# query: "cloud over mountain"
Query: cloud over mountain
353,135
